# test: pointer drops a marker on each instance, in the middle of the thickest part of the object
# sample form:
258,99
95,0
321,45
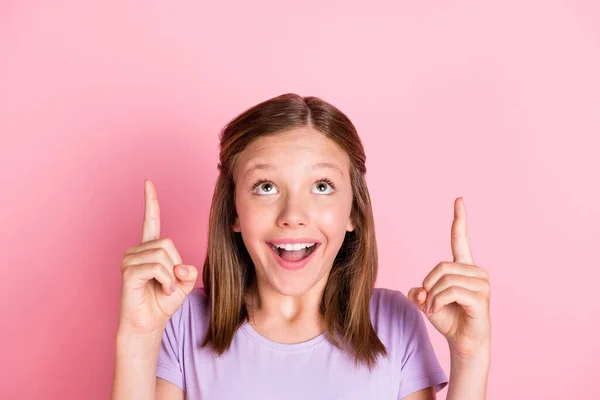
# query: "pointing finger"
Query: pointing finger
151,227
459,239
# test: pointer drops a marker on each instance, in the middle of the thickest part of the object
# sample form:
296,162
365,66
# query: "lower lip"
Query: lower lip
293,265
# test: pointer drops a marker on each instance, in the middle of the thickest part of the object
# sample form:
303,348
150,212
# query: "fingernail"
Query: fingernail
182,270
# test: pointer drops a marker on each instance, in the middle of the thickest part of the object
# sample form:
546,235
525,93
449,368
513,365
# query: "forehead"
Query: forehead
300,145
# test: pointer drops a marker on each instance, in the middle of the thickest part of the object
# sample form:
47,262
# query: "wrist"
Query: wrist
134,346
125,334
476,365
479,356
469,375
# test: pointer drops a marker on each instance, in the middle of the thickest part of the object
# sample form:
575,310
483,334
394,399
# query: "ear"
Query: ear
236,225
350,226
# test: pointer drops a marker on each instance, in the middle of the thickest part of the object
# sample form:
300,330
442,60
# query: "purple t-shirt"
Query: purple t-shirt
257,368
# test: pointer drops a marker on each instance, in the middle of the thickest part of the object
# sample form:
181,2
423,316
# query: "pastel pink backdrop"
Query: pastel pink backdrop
494,101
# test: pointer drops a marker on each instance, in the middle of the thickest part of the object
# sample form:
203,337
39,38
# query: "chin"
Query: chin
295,290
296,286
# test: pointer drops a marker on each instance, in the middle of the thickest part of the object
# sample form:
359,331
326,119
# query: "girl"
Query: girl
288,308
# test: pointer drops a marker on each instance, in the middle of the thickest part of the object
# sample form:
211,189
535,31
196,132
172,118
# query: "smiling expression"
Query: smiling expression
293,188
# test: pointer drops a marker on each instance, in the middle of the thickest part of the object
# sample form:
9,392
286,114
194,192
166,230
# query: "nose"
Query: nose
293,215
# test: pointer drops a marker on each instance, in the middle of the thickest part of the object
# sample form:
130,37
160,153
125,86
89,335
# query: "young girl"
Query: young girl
288,308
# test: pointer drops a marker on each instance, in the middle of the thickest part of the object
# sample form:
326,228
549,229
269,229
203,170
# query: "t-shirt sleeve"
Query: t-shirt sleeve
420,367
169,365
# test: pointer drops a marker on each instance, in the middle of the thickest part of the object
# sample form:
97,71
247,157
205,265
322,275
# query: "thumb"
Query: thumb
418,297
186,276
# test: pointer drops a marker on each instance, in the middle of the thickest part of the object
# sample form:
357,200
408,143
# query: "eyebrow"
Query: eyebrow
271,167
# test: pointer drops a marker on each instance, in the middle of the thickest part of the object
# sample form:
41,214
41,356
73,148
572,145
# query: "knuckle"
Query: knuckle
485,285
485,273
167,241
130,250
126,272
442,266
157,267
483,299
159,253
125,259
166,258
445,280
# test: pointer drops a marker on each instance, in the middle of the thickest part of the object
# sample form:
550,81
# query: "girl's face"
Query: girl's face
293,188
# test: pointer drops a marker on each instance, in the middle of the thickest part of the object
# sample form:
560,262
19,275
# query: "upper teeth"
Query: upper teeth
296,246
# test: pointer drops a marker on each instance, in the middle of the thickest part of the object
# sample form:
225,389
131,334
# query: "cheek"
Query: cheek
245,208
333,219
253,218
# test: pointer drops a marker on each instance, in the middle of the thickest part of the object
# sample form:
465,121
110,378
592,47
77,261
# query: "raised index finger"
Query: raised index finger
151,227
459,239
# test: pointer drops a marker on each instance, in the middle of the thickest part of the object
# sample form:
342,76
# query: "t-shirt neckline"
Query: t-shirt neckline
281,347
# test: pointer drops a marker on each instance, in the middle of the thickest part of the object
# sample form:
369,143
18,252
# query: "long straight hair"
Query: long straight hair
228,273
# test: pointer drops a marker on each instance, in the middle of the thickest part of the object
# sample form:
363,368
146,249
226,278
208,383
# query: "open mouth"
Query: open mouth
294,253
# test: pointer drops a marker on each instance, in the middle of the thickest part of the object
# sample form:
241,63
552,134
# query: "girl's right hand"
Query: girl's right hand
154,280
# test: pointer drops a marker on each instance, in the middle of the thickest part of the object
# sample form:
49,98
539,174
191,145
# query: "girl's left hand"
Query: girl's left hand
455,296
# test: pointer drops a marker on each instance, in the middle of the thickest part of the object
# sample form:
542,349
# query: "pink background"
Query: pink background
498,102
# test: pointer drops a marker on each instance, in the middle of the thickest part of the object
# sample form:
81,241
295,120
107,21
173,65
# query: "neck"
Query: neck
284,318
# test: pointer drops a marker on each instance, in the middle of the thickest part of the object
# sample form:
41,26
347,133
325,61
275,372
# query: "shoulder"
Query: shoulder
197,302
393,316
198,298
402,328
391,303
195,307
